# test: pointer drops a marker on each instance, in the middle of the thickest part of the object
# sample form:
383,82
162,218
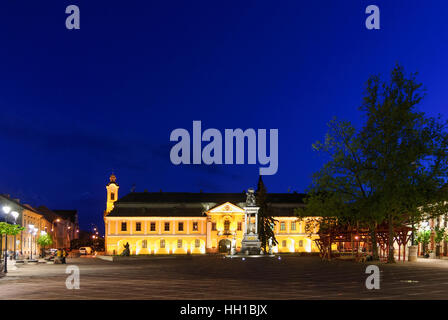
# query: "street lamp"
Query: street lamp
6,210
15,215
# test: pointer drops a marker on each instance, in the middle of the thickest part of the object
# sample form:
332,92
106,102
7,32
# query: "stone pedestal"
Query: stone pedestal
412,255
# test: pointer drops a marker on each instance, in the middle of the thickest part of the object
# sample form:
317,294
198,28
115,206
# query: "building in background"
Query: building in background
180,222
62,225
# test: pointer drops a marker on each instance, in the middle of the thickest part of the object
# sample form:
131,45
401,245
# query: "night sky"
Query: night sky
79,104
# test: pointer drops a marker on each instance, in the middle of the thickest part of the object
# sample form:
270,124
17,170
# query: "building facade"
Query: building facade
196,223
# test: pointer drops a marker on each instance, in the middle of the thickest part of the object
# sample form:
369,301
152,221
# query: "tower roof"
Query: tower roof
112,180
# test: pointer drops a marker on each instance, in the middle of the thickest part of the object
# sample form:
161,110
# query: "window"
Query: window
213,226
284,243
112,196
197,243
300,243
124,226
144,244
226,225
162,244
179,243
239,226
282,226
153,226
138,226
195,226
167,226
293,226
180,226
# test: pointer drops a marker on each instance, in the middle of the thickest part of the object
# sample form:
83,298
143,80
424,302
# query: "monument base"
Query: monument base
251,245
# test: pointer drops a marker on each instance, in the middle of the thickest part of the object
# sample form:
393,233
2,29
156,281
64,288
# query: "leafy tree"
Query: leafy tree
423,237
10,229
44,241
406,151
393,170
265,221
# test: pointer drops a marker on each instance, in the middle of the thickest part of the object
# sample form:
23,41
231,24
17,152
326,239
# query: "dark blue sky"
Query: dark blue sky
77,104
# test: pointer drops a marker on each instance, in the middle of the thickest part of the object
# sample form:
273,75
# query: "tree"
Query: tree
266,222
423,237
393,170
44,240
341,190
10,229
406,151
439,236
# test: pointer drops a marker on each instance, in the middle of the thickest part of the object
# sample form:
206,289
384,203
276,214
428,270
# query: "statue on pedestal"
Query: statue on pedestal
126,252
270,245
250,199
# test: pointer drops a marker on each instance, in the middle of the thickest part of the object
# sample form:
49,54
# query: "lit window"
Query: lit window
239,226
180,226
197,243
124,226
153,226
167,226
282,226
144,244
226,225
293,226
179,243
195,226
112,196
300,243
138,226
213,226
162,244
284,243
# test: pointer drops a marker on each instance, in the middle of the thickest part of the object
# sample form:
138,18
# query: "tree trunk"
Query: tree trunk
390,256
375,256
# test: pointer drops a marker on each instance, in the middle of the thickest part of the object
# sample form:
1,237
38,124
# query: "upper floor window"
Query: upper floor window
138,226
124,226
213,226
293,226
195,226
226,225
180,226
112,196
153,226
282,226
239,226
167,226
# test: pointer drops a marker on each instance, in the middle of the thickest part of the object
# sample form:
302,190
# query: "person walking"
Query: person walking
64,256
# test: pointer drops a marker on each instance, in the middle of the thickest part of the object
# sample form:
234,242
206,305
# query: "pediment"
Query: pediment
226,208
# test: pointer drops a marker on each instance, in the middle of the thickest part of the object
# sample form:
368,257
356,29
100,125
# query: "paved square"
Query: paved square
213,277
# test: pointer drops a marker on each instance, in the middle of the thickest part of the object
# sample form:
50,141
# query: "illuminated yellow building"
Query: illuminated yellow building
197,223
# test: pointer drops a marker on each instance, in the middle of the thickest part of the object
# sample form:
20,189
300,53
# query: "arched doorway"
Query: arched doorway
224,246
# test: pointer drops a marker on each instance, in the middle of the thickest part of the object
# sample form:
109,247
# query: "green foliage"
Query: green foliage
392,170
45,240
423,237
439,234
10,229
265,220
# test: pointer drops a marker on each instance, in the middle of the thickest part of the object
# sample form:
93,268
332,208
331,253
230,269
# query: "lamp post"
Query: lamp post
15,215
6,210
33,231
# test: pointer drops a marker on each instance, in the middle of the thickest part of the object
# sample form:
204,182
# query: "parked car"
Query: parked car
85,250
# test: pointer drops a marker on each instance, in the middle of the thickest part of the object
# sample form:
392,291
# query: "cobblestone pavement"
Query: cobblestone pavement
213,277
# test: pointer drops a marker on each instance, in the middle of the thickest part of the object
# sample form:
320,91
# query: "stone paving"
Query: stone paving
213,277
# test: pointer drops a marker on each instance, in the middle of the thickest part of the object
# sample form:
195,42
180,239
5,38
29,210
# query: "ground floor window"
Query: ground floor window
300,243
162,244
284,243
197,243
179,243
144,244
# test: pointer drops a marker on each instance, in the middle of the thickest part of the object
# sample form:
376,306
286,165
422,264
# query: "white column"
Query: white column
256,223
209,234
